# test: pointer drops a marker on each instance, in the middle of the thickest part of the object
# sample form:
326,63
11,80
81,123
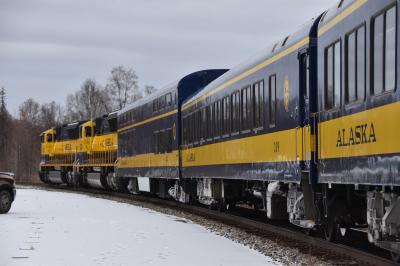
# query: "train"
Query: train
306,131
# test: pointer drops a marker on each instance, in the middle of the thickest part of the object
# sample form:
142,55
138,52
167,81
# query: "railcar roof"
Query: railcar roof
262,56
335,10
149,98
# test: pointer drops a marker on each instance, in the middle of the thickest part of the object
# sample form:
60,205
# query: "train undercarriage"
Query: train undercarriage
331,211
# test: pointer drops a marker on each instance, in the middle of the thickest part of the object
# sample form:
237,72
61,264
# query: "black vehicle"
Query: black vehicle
7,191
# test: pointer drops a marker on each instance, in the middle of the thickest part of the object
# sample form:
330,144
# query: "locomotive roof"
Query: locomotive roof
259,58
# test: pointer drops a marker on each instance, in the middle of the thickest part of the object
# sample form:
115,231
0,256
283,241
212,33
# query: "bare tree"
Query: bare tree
30,111
49,115
149,90
89,102
123,87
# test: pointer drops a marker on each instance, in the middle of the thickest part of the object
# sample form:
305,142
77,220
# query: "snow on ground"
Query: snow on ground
54,228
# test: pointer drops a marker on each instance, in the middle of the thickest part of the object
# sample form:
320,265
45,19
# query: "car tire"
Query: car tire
5,201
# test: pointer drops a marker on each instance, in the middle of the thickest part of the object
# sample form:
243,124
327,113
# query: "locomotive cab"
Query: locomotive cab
86,136
47,141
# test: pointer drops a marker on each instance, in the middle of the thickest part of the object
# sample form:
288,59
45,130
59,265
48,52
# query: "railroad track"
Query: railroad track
287,236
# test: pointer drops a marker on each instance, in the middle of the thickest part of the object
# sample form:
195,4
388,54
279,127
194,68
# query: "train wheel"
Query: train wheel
331,231
395,256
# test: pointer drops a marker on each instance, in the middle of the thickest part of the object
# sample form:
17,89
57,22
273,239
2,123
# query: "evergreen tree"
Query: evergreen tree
4,130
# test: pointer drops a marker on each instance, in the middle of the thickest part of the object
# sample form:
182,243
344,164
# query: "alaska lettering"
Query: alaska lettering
357,135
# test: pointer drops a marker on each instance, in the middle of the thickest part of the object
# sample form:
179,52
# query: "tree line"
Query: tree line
19,136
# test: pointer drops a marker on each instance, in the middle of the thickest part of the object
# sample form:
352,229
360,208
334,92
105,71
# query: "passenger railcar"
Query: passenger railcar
247,136
149,134
358,113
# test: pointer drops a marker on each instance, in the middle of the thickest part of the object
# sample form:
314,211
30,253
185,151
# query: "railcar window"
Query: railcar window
215,120
250,107
258,92
217,117
361,63
175,99
384,52
203,126
233,106
243,109
198,125
332,76
236,109
355,65
337,74
208,117
351,68
49,138
190,129
193,128
390,49
378,52
225,115
246,107
212,128
169,99
272,101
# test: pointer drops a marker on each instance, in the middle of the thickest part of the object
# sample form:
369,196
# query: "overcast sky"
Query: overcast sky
48,47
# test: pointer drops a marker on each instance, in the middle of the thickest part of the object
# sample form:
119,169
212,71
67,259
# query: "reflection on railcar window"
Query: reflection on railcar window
337,74
258,104
235,111
169,99
378,52
203,126
351,68
211,122
390,49
332,76
246,108
361,63
355,65
243,109
272,100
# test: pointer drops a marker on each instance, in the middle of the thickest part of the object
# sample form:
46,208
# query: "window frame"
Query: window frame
382,12
355,30
332,45
272,124
259,105
246,124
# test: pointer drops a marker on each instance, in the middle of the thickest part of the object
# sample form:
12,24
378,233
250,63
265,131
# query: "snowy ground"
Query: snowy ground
54,228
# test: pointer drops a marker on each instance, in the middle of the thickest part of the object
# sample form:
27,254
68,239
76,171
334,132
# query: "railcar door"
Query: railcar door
304,131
